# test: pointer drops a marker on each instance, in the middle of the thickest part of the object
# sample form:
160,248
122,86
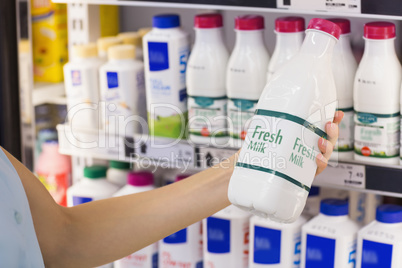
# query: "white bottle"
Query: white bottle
183,248
94,186
377,95
206,78
123,91
166,50
246,75
362,206
344,67
135,39
104,43
81,81
226,238
329,240
117,172
147,257
289,38
277,163
275,244
379,244
312,207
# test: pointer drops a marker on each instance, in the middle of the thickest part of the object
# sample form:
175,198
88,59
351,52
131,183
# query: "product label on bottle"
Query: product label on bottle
146,257
166,88
283,145
57,185
218,235
377,135
207,116
320,252
76,77
297,250
267,245
78,200
346,132
376,255
177,238
240,112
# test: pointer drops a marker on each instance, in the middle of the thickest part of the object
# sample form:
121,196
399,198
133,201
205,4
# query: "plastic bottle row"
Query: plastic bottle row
233,238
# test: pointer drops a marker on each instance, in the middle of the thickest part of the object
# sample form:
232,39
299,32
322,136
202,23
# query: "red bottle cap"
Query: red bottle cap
249,22
207,21
379,30
142,178
344,24
325,26
289,24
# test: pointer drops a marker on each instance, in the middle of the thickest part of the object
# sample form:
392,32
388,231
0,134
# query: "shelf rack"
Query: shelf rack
157,151
48,93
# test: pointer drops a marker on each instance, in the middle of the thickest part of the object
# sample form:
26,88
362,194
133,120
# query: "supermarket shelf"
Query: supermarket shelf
48,93
385,9
352,175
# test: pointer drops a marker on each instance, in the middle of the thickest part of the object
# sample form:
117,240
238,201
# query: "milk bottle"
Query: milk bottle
166,49
376,96
226,238
246,75
276,165
289,37
344,69
206,77
379,244
329,239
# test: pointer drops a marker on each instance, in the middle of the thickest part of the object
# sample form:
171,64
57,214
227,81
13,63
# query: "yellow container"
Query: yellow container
49,40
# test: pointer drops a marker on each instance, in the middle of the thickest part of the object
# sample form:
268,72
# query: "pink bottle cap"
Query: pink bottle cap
379,30
207,21
344,24
325,26
249,22
289,24
181,177
141,178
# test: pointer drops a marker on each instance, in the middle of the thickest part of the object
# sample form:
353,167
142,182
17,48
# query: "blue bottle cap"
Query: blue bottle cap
314,191
165,21
334,207
389,213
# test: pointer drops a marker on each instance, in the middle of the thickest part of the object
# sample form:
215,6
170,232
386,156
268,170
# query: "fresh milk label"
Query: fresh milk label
207,116
377,135
346,132
283,145
267,245
376,255
240,112
166,87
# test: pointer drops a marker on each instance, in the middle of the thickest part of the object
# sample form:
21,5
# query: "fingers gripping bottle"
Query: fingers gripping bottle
246,75
206,77
277,162
166,49
376,96
289,38
344,69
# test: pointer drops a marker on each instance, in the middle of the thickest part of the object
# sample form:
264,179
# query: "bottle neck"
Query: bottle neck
289,40
208,36
249,38
318,45
343,44
381,48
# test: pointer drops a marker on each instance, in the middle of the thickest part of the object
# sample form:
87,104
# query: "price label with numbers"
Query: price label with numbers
346,175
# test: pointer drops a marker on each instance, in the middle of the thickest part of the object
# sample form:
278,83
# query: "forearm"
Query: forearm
99,230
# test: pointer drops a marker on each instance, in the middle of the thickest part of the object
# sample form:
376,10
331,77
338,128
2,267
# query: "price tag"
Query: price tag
209,156
348,6
346,175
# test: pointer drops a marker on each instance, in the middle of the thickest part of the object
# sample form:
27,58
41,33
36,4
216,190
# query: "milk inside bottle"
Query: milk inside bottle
329,239
166,49
138,182
206,77
246,75
226,238
380,243
277,162
376,96
344,68
289,37
275,244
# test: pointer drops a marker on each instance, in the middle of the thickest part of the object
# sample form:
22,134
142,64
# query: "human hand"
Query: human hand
327,146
